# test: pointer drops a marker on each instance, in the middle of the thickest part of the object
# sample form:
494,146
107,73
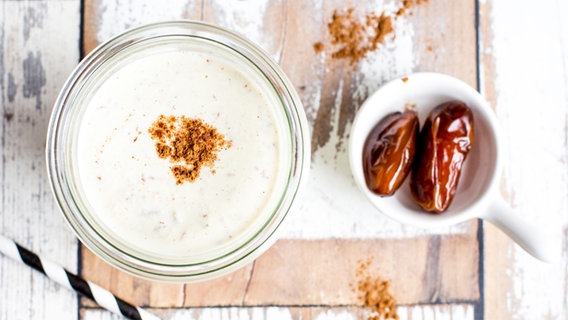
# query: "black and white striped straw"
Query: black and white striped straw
101,296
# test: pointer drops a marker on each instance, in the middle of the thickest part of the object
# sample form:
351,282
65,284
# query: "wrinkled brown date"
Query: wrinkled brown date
388,152
443,145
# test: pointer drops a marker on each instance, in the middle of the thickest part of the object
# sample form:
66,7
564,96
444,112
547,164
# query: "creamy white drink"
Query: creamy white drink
131,190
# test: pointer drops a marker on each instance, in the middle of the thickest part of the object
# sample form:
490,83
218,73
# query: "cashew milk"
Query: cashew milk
132,191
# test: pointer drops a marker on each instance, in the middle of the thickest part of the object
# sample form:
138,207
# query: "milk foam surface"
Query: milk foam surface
132,192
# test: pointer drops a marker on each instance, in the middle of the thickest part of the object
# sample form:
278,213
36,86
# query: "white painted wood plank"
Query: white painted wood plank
425,312
115,16
38,49
251,19
531,100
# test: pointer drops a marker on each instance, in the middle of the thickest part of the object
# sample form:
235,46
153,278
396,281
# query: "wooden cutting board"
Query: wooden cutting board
313,268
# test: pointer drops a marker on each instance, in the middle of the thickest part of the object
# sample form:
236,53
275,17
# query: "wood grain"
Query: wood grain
318,272
38,49
532,112
105,19
444,39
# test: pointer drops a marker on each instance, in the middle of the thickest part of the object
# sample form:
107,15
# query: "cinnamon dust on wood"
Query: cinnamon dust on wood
354,37
318,47
374,293
190,144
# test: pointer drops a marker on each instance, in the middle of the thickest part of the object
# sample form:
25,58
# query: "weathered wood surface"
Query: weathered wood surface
317,272
436,274
38,49
525,76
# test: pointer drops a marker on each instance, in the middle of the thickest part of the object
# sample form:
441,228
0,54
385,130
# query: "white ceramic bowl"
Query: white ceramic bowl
477,193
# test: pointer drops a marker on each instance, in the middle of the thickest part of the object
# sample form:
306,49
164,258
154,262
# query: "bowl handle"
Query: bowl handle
540,244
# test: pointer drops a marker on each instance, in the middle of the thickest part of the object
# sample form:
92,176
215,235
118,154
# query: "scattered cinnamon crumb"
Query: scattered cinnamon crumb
405,6
135,139
404,79
188,143
318,47
374,293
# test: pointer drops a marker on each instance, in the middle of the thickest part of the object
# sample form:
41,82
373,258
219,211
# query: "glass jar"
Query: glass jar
68,176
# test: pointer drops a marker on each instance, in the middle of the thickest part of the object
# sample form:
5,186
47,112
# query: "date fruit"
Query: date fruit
388,152
443,145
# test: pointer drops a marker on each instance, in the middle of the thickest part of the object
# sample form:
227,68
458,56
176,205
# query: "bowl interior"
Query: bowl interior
423,92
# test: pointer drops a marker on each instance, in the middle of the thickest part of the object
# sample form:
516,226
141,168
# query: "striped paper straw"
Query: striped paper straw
101,296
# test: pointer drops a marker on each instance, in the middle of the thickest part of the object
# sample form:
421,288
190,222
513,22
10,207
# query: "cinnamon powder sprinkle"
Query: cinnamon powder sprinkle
190,144
374,293
406,4
353,37
318,47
